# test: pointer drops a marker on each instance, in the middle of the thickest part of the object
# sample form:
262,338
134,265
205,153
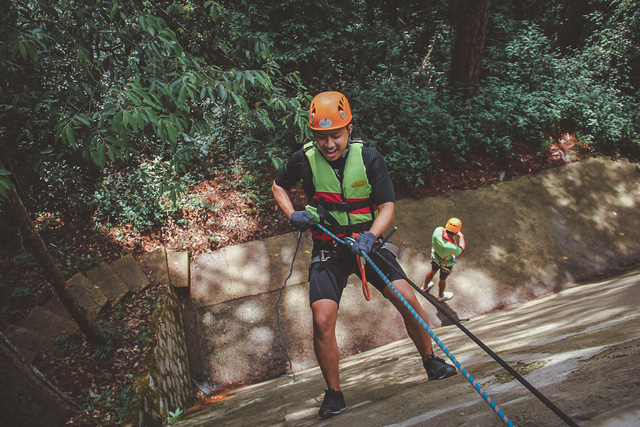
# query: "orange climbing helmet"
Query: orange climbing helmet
329,110
453,225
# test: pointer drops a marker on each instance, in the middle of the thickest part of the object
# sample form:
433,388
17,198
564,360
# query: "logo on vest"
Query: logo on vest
358,184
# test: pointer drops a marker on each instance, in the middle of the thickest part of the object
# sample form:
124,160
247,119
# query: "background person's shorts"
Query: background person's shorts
444,272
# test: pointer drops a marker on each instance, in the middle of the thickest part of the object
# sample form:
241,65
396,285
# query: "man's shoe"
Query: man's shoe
429,286
446,296
332,404
438,369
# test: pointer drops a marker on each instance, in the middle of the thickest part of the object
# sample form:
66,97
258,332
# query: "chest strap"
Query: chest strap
343,206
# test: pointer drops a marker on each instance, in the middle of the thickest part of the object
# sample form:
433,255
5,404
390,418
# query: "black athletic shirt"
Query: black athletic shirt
298,168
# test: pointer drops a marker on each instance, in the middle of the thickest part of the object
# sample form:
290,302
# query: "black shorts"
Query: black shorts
327,279
444,272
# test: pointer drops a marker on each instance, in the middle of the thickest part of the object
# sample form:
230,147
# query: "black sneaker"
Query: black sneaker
332,404
438,369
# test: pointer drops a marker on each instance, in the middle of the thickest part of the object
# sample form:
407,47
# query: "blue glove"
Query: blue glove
301,220
364,243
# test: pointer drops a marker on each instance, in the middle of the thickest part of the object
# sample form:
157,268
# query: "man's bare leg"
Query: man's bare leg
325,316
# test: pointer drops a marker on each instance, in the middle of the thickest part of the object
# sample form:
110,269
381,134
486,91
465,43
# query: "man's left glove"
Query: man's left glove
301,220
364,243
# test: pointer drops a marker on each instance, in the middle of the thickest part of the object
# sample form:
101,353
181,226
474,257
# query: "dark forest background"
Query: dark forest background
104,101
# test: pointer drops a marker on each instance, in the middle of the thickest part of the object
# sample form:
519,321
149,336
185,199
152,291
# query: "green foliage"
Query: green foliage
110,336
414,126
173,416
65,344
14,294
407,124
110,81
144,197
336,43
529,88
20,291
537,89
5,183
143,96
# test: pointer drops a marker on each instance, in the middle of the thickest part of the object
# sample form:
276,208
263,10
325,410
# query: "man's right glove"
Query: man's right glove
364,243
301,220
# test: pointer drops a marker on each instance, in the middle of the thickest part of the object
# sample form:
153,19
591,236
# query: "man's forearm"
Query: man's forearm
386,214
282,198
461,243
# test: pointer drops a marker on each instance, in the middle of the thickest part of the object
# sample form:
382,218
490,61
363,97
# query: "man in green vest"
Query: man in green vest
446,244
349,191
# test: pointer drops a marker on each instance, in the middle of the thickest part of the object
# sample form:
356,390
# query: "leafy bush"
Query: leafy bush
529,88
143,197
534,88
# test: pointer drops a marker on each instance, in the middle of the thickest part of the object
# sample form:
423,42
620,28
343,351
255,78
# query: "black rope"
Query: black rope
284,340
490,352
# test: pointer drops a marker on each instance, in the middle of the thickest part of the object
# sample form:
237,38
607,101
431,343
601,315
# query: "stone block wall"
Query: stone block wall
163,381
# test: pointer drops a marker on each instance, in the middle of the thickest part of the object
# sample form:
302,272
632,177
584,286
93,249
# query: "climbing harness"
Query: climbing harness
284,340
422,323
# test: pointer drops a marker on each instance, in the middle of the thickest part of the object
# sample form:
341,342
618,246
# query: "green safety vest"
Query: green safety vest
443,250
343,208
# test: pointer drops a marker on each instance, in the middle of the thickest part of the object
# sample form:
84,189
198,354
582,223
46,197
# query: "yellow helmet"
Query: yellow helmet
453,225
329,110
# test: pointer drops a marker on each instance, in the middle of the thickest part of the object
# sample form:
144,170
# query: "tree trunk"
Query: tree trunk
48,265
390,12
472,20
574,19
26,397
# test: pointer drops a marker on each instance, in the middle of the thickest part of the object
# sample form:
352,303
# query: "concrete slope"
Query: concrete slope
580,348
526,238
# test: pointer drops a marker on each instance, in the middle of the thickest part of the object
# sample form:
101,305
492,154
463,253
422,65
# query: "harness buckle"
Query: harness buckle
322,256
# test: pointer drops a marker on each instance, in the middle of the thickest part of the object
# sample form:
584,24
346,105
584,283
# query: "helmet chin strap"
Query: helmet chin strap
346,150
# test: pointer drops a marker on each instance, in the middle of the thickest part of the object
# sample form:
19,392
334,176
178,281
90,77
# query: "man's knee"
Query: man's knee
403,287
325,313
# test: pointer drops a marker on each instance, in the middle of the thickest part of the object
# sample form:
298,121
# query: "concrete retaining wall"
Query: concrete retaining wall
526,238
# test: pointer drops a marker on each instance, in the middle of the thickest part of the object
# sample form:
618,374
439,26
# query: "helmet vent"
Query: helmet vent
341,108
312,116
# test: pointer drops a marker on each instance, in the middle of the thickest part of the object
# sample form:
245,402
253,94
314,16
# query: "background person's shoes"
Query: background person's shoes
446,296
332,404
438,369
429,286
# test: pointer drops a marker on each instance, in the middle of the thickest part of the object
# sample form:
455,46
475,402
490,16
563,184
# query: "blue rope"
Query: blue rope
426,327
